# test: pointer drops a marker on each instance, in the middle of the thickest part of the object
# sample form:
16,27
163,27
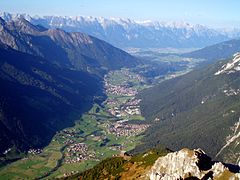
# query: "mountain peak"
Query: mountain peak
2,23
123,32
21,24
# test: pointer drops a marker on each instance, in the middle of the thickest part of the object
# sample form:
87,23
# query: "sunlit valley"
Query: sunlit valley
91,97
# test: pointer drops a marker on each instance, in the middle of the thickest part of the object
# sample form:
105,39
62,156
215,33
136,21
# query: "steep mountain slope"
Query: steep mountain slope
199,109
38,98
128,33
216,52
72,50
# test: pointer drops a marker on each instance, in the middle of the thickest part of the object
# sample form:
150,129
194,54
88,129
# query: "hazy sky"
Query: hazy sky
215,13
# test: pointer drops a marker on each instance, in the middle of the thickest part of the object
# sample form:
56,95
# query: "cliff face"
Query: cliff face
191,163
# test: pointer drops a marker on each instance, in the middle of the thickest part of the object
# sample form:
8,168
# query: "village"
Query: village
123,128
119,109
34,151
77,153
68,136
125,88
120,90
121,83
125,109
130,108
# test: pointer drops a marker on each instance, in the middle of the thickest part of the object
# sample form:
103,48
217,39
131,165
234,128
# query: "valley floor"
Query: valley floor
107,130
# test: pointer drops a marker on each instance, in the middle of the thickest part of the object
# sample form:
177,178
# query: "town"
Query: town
120,90
124,128
122,83
78,152
34,151
130,108
124,111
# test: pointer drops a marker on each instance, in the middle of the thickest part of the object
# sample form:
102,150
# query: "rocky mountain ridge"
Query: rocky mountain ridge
73,50
161,165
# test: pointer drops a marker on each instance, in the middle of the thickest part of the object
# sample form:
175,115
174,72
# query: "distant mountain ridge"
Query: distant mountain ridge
72,50
216,52
129,33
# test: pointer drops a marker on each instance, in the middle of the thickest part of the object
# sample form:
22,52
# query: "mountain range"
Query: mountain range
216,52
72,50
125,33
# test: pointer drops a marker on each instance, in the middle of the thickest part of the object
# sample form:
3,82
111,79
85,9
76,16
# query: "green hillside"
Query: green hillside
216,52
197,110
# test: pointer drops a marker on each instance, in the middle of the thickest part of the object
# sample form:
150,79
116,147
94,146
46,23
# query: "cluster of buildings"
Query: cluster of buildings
70,173
124,111
231,92
68,136
133,102
112,102
132,76
117,147
120,90
6,151
77,153
132,110
131,107
71,133
34,151
123,128
69,141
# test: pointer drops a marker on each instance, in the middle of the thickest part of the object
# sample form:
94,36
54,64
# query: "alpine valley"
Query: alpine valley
73,106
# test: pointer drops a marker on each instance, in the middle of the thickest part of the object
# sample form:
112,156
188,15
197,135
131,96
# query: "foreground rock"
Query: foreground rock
161,164
191,164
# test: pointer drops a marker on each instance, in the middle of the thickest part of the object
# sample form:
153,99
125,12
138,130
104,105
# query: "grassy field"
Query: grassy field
124,77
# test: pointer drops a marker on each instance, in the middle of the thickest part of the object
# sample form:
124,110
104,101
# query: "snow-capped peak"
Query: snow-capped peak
232,66
105,21
123,32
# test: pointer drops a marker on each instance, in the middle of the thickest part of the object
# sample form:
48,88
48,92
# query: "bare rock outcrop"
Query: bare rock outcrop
191,164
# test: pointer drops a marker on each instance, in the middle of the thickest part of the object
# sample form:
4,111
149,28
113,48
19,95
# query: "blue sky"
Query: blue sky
214,13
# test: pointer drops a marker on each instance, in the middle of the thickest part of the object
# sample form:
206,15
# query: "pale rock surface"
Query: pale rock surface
189,163
232,66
